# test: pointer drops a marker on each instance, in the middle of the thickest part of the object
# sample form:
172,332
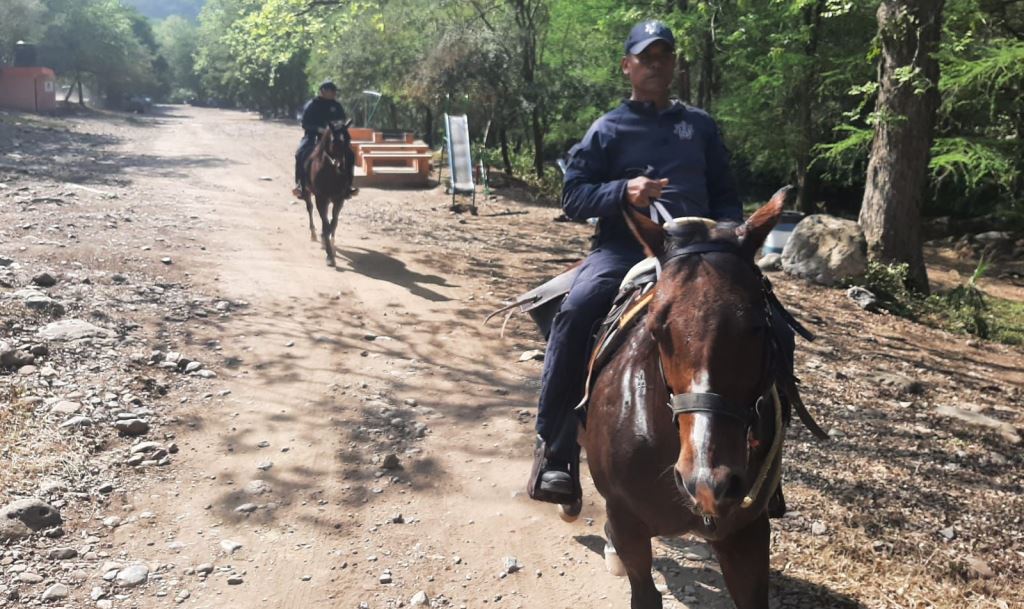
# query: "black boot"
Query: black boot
553,480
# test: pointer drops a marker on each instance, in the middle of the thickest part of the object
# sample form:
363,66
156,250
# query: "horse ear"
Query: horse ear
649,233
754,231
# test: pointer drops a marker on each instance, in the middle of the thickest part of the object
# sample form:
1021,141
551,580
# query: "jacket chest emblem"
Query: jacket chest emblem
684,130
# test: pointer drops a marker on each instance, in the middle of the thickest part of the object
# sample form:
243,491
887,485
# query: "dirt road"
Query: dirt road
376,435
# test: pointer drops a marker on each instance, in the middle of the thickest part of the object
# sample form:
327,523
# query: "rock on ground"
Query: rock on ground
25,516
73,329
826,250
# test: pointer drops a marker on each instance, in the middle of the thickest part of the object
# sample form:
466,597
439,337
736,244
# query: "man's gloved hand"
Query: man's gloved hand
642,190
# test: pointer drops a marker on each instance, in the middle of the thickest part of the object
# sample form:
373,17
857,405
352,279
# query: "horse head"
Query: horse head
710,321
334,141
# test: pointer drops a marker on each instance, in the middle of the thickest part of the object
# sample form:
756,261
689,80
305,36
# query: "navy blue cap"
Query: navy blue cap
329,85
645,33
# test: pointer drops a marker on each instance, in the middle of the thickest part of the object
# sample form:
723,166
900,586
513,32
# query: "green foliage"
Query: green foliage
19,20
965,309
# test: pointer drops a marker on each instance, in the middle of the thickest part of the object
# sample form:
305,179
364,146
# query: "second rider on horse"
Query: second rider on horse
320,113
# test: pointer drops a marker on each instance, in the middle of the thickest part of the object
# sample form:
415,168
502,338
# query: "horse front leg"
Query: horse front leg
630,542
325,224
338,204
744,558
309,212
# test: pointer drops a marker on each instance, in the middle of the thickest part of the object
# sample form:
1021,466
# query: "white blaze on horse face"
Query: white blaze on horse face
701,382
700,434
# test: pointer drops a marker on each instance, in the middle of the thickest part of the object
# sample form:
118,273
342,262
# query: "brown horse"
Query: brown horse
684,428
330,181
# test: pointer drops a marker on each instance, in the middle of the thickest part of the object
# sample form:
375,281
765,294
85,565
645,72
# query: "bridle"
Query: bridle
715,404
335,162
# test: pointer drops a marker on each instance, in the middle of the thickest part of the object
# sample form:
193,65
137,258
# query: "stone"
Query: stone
826,250
76,423
145,447
56,592
193,367
133,575
44,304
533,354
30,578
66,407
419,599
246,508
132,427
235,580
62,553
391,462
23,517
863,298
167,260
44,280
230,546
204,569
511,564
72,329
770,263
257,487
385,577
819,528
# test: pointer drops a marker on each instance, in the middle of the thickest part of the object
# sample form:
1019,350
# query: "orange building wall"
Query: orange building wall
28,89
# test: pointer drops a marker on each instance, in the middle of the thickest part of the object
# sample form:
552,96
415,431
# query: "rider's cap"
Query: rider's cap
646,33
328,85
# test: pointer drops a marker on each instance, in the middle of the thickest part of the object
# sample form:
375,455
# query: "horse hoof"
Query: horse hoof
613,562
330,262
571,511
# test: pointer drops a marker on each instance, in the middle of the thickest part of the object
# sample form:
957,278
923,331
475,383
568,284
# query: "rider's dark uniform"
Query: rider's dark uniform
317,114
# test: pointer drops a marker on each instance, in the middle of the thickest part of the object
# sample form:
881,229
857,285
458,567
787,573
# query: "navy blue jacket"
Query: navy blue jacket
681,143
318,113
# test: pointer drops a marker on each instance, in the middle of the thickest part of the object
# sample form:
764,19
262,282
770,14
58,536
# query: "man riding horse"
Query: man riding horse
649,150
320,113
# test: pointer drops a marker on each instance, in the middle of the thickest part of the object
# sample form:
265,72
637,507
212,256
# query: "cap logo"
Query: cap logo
651,28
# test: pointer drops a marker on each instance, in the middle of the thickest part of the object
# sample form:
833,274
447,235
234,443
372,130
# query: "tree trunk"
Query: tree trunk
805,96
683,86
905,116
81,98
505,158
538,142
707,70
428,126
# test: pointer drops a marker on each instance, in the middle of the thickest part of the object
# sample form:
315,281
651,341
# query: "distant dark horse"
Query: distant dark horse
330,182
684,428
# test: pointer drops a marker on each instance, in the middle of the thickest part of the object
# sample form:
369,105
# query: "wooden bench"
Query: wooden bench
415,162
364,148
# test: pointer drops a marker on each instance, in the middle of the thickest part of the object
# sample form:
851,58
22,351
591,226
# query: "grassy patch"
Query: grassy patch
964,310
